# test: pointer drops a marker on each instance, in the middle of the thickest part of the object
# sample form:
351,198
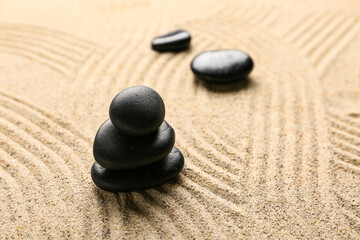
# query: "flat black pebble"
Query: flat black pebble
116,150
149,176
222,66
174,41
137,110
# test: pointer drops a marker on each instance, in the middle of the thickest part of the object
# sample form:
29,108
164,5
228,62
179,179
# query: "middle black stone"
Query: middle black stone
115,150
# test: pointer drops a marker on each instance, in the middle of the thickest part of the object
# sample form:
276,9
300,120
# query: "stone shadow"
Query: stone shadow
228,87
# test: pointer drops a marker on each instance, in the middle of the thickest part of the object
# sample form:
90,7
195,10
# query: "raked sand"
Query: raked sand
278,157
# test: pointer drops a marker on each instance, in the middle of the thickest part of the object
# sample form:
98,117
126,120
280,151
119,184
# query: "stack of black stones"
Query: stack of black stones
134,149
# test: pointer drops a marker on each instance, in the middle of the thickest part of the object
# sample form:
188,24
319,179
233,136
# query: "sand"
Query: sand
278,157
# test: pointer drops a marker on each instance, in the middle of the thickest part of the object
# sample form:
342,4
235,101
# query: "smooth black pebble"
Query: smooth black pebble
222,66
116,150
145,177
174,41
137,111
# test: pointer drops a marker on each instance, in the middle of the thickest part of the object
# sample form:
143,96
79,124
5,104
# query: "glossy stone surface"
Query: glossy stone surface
137,111
140,178
222,66
174,41
116,150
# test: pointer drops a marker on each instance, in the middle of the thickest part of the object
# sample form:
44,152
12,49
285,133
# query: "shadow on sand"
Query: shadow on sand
228,87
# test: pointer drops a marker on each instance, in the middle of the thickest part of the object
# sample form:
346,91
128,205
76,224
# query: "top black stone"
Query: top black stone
222,65
174,41
137,111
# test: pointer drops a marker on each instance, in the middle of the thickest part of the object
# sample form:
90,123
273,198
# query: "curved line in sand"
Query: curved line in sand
304,25
322,40
313,34
33,43
178,193
35,57
52,163
44,144
165,212
46,32
51,50
37,112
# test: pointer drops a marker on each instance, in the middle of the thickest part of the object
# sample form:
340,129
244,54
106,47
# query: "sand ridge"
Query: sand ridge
277,157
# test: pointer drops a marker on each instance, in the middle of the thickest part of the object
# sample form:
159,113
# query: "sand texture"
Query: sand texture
278,157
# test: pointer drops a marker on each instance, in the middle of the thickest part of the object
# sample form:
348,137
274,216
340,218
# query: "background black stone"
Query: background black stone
222,66
173,41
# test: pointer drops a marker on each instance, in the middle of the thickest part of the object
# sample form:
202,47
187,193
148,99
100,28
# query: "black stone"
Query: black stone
172,42
116,150
222,66
137,111
142,178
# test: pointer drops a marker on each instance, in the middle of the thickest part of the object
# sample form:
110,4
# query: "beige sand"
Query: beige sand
278,158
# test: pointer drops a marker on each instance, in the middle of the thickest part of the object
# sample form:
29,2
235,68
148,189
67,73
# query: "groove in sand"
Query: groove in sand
86,74
212,198
64,47
169,208
312,36
53,163
40,46
44,120
329,56
38,50
131,63
183,198
332,40
213,184
346,146
347,156
35,57
59,153
44,138
321,36
346,137
45,174
153,218
268,21
344,127
46,32
303,26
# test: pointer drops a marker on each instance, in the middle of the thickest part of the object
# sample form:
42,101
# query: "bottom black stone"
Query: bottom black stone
141,178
